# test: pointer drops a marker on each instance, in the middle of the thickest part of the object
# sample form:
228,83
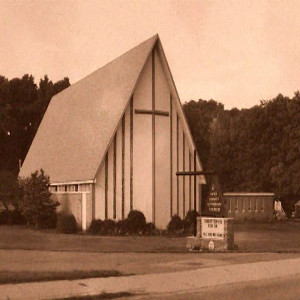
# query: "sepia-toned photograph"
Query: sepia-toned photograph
150,149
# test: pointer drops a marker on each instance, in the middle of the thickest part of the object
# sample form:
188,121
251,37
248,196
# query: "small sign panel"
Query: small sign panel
212,228
211,245
214,204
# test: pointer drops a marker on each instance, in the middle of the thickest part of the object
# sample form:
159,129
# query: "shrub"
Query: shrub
67,223
11,217
175,225
124,227
16,218
189,221
150,229
36,204
108,227
137,221
4,217
96,227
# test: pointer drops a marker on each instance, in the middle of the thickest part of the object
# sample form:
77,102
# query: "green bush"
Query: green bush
36,204
4,217
150,229
124,227
137,221
175,225
96,227
11,217
108,227
189,221
67,224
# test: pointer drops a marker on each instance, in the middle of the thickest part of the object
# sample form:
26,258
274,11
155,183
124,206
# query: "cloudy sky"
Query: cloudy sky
236,52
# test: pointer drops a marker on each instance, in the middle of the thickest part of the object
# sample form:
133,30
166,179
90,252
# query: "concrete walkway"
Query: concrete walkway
153,284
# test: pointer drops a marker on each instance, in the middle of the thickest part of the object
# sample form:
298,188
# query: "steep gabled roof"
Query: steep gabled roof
80,121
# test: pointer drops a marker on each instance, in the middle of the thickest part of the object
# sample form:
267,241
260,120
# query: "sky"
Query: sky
235,52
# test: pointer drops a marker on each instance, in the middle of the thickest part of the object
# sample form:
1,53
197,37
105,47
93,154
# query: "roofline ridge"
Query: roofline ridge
127,102
156,37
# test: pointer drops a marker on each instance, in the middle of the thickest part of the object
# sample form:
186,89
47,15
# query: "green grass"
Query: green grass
25,276
250,237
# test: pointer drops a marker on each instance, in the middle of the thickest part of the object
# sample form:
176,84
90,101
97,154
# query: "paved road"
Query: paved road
285,288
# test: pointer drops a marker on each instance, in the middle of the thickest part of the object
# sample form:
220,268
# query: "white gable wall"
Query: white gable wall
162,148
158,211
142,143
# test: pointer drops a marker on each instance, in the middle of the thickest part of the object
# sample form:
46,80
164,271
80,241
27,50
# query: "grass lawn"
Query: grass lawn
54,256
255,237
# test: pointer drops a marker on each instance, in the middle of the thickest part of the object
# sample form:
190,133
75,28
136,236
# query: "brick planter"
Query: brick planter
213,234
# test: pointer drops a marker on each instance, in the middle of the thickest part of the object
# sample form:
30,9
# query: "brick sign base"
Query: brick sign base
218,237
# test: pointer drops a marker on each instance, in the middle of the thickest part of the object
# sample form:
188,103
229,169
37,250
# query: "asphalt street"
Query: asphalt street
285,288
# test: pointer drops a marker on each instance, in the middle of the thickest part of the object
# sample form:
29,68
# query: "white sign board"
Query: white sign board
212,228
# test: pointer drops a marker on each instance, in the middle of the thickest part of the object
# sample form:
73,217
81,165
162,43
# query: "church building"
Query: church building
113,142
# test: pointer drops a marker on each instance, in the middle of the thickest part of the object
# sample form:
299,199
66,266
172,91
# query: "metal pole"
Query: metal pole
195,198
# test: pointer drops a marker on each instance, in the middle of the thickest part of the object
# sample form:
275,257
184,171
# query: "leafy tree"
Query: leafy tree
252,150
22,107
200,116
9,190
37,206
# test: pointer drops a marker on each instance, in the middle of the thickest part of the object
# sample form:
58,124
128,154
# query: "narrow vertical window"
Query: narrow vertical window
177,159
263,205
115,177
190,183
183,164
171,157
249,204
123,167
131,153
236,205
106,186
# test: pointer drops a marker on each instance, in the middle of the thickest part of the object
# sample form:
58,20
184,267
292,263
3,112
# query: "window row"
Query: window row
70,188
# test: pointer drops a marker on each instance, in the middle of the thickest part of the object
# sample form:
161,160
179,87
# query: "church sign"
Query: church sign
214,204
212,228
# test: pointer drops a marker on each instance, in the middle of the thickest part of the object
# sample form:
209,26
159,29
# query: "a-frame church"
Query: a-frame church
113,142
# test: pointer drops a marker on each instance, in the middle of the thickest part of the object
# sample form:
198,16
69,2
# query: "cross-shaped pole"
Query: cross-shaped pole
152,112
195,173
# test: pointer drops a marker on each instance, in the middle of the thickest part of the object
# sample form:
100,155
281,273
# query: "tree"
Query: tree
22,107
9,190
37,206
252,150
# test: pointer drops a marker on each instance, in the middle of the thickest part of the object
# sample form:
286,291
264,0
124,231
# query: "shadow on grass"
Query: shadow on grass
7,277
100,296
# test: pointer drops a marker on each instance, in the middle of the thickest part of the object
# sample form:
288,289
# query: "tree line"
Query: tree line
252,150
